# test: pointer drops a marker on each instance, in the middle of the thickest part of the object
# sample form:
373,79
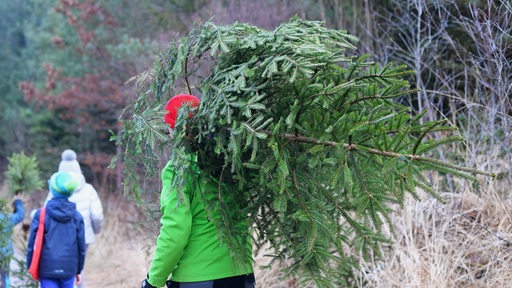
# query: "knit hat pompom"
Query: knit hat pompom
69,162
68,155
175,103
63,184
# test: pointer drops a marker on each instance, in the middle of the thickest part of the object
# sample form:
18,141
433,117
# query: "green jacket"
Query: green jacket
188,248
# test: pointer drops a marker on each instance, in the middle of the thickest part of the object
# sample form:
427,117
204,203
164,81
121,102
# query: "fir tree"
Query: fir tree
23,174
307,134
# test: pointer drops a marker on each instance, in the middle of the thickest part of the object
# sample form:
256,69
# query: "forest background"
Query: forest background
65,76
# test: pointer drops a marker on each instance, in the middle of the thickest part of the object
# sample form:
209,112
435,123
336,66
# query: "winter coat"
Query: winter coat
63,250
8,223
188,246
89,205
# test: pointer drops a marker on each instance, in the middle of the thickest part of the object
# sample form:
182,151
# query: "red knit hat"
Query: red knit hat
175,103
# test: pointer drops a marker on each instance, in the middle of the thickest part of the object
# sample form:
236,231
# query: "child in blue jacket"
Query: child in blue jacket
8,221
63,250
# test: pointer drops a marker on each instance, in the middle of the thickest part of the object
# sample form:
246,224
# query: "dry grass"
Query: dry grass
465,243
119,257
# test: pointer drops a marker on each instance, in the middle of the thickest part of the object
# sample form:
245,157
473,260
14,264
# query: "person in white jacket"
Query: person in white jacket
86,198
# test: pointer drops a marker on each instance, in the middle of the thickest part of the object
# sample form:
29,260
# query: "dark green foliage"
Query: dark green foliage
305,133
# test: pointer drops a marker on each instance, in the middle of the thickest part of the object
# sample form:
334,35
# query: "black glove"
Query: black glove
145,284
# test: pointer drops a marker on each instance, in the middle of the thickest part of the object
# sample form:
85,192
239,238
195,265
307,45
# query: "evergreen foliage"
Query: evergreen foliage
22,174
304,131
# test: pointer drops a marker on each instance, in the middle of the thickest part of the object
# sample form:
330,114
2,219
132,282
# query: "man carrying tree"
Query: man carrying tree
301,132
188,248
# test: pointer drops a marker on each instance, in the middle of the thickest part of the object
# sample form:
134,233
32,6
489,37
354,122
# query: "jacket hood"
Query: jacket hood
61,209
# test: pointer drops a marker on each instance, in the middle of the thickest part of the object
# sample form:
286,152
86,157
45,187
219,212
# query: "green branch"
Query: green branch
304,139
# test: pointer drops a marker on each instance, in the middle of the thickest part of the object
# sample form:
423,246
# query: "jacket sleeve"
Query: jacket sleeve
96,211
176,222
32,237
19,212
81,242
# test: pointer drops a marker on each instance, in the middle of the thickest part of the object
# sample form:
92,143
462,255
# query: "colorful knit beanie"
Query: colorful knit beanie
175,103
62,184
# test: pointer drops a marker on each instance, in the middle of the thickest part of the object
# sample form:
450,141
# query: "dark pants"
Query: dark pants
57,283
242,281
